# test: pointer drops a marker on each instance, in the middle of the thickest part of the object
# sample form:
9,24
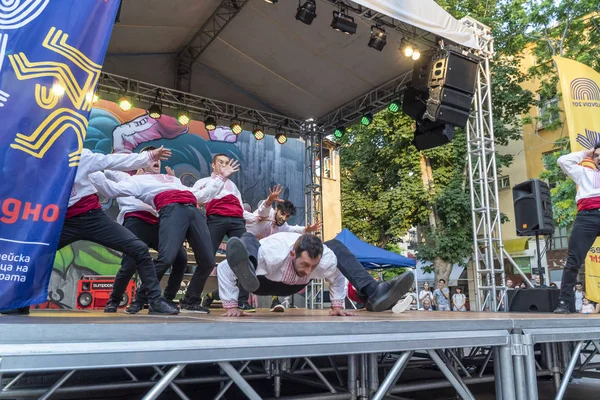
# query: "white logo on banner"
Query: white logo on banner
15,14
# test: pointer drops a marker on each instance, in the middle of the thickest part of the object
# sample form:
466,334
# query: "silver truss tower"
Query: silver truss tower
488,259
313,189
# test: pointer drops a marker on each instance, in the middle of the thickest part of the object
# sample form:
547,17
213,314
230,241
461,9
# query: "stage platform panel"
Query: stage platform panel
63,339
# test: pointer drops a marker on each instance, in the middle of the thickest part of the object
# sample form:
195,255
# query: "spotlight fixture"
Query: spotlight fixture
236,127
124,104
416,54
342,22
408,50
394,106
210,123
378,37
155,111
339,132
258,133
183,117
367,119
281,138
307,12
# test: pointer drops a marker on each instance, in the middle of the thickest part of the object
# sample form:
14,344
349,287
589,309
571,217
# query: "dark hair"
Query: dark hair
310,243
442,280
597,146
581,283
219,155
148,148
287,207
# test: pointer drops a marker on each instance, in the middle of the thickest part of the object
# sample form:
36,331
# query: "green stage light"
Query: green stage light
339,132
366,119
394,106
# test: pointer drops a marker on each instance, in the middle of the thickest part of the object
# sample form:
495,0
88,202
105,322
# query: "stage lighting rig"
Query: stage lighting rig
342,22
366,119
339,132
394,106
378,38
155,110
236,127
210,123
183,117
258,133
307,12
124,103
281,138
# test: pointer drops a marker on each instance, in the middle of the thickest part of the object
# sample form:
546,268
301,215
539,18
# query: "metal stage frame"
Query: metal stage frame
362,357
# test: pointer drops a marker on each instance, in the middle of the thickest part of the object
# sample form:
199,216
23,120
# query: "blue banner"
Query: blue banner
51,55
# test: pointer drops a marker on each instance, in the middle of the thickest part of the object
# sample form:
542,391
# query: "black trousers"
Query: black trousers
219,226
98,227
179,222
347,263
148,233
585,231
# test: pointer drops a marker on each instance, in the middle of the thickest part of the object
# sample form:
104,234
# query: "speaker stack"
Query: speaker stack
533,208
440,95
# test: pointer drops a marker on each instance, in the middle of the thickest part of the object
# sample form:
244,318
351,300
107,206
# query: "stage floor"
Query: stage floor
63,339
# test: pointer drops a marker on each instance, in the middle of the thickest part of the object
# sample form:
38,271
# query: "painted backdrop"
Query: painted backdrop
264,163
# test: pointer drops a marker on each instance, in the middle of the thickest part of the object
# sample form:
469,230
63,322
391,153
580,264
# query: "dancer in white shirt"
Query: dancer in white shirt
179,218
85,220
284,263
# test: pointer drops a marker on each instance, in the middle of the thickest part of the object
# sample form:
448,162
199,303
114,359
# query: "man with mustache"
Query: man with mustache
284,263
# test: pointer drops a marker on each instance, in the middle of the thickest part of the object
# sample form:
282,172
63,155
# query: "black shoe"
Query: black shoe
276,306
246,307
207,300
193,308
390,292
173,303
237,258
17,311
135,307
563,308
161,306
112,306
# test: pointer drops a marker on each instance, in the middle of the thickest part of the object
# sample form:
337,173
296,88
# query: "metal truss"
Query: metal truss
215,24
373,101
204,106
313,190
488,259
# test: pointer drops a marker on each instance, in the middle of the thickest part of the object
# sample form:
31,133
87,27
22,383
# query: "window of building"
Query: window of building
548,113
503,182
560,239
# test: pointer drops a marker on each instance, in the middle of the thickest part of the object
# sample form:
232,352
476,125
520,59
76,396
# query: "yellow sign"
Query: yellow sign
580,86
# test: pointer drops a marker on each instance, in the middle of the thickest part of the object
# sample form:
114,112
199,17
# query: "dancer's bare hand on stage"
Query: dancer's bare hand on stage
340,312
235,313
274,195
161,153
229,168
170,172
314,227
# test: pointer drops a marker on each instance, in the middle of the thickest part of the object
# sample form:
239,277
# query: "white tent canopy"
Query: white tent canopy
266,60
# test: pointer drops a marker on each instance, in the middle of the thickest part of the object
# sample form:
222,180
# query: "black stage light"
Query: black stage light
307,12
343,23
378,37
210,123
339,132
366,119
155,111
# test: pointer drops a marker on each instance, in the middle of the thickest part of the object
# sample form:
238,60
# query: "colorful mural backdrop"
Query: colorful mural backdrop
264,163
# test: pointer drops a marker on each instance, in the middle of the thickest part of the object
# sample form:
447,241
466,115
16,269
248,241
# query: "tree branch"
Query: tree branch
564,35
548,40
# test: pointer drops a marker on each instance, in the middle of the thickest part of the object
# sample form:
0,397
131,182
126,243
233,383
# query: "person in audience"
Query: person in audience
522,285
425,294
579,295
426,306
509,284
441,296
459,300
553,285
284,263
587,307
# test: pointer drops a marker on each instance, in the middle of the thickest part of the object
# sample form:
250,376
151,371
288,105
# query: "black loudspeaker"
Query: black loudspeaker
451,83
422,72
413,102
429,135
533,208
533,300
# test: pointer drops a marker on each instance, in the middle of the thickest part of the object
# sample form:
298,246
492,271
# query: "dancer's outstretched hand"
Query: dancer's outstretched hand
314,227
235,313
170,172
274,195
231,167
161,153
340,312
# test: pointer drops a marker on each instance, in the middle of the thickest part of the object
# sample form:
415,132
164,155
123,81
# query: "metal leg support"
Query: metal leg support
518,351
530,368
12,382
173,386
239,381
392,377
373,373
320,375
352,376
228,384
506,368
58,384
569,371
162,384
460,387
497,373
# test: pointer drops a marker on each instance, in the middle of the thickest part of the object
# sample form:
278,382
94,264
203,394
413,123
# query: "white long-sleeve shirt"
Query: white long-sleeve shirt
93,162
274,263
262,229
147,186
587,179
128,204
228,202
